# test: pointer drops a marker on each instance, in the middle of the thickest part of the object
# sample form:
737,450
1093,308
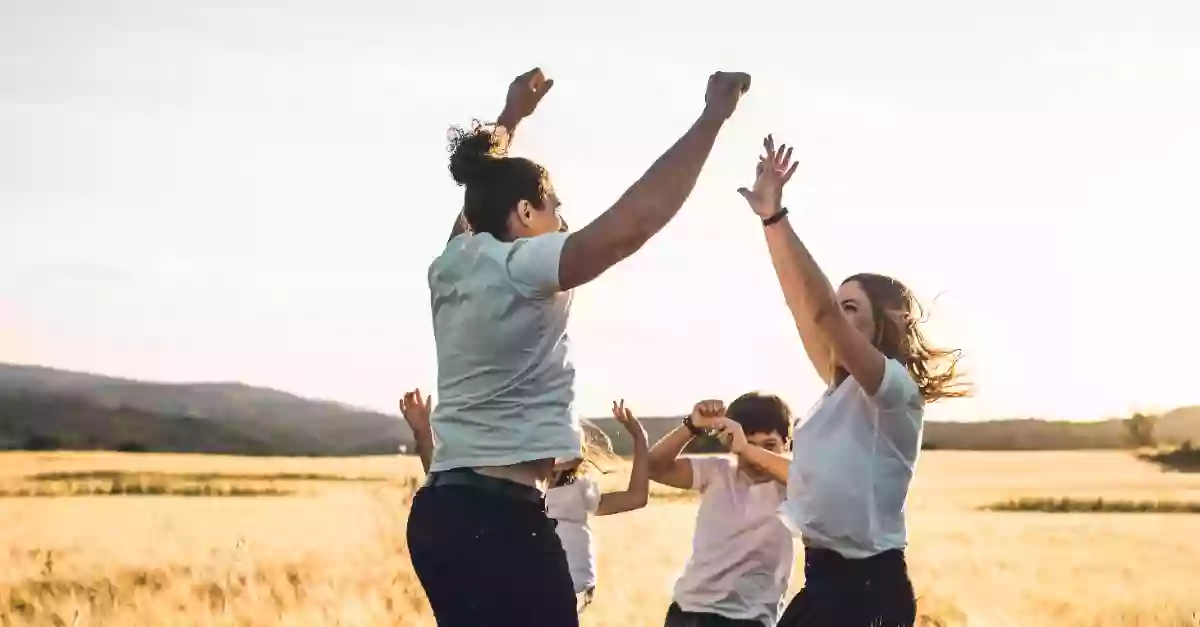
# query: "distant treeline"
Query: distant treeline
1031,434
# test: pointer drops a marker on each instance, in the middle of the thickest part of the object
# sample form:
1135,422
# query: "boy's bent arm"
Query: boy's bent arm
774,464
666,466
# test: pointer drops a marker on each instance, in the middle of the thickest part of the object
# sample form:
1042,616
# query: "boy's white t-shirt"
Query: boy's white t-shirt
571,505
742,552
853,459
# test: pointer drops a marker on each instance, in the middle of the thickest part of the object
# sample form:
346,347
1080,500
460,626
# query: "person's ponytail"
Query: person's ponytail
474,153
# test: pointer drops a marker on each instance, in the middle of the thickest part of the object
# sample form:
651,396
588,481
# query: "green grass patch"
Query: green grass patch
142,489
1068,505
201,477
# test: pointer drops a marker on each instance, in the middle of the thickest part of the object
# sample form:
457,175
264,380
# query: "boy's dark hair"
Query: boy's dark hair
761,413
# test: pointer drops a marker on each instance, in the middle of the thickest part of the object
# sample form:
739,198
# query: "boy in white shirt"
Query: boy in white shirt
742,552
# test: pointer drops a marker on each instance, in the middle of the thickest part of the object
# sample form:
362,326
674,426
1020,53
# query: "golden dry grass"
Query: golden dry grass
333,553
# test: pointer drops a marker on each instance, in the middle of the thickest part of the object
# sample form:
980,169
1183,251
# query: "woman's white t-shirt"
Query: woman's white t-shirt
571,505
853,459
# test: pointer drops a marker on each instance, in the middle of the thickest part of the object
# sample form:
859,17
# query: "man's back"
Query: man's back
505,381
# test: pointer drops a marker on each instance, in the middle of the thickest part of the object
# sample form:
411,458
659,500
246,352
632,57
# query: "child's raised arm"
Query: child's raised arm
415,409
638,492
666,466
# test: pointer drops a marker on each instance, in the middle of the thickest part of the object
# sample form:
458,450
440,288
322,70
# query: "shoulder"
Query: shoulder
898,390
477,258
531,263
709,470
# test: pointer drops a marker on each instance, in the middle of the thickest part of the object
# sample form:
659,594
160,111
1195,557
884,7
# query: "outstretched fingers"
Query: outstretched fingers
792,170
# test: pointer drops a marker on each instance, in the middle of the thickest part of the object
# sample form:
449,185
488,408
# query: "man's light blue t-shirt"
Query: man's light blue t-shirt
506,386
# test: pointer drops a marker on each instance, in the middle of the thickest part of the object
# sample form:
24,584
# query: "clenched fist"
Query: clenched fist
724,91
526,91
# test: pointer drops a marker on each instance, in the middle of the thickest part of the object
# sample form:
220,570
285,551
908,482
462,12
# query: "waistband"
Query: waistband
831,562
465,477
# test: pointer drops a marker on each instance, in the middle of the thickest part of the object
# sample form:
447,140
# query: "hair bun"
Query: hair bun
473,152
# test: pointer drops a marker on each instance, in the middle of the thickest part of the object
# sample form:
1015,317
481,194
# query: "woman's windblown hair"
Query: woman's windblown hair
494,182
898,317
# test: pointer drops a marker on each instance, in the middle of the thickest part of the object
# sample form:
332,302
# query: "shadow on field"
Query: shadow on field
1186,458
122,483
117,488
1068,505
119,475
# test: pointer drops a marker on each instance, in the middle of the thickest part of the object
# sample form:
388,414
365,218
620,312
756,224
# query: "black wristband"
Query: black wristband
691,426
779,215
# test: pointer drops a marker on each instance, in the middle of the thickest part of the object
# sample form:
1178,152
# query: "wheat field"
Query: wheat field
123,540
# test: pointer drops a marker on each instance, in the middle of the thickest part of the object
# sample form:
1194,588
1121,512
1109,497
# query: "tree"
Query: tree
39,442
1141,429
131,446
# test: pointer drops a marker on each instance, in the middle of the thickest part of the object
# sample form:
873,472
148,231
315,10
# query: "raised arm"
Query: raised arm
524,94
666,465
806,289
638,493
650,203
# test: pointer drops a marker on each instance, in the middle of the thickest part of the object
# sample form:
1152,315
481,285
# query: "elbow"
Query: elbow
639,498
825,314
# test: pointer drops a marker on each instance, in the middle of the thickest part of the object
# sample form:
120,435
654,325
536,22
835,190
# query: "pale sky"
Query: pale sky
252,190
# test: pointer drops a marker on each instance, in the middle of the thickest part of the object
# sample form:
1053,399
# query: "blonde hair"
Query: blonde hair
595,453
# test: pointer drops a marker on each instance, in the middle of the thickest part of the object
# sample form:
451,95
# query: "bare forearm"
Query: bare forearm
424,446
668,449
650,203
806,289
639,476
774,464
637,494
643,210
509,121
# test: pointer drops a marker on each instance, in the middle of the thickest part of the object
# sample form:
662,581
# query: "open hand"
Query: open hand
724,91
526,91
626,419
775,169
415,409
705,414
730,433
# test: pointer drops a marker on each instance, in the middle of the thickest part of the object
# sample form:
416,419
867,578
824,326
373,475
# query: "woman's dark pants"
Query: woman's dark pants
841,592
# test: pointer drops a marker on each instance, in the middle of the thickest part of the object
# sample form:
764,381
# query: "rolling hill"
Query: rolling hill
61,409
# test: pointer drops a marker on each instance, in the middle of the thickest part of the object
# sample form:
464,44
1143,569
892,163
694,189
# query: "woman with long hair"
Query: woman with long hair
478,534
855,454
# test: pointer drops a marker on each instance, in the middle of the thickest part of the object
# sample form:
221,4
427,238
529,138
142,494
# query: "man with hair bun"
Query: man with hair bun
480,541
